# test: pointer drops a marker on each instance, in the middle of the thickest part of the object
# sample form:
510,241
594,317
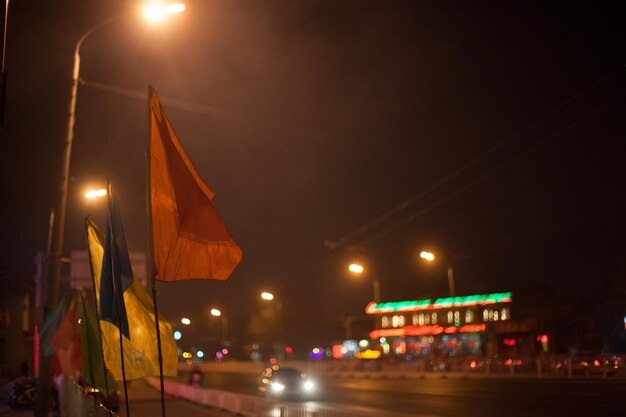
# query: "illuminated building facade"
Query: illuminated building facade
454,326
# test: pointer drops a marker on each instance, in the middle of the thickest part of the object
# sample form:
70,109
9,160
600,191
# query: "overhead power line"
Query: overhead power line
465,167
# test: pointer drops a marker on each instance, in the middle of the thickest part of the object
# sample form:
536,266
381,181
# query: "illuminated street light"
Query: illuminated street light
360,269
91,194
429,256
156,12
178,335
215,312
267,296
185,321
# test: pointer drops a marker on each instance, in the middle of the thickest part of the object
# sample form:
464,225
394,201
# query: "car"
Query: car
284,382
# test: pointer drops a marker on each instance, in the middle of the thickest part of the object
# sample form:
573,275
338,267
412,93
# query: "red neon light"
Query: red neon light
509,342
451,329
426,330
337,354
473,328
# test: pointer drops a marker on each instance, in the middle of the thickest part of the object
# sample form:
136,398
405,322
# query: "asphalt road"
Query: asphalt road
454,397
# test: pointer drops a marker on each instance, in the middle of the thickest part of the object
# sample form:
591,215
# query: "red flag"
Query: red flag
190,239
67,344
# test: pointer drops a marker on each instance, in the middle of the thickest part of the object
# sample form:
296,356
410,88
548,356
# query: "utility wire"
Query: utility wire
405,204
417,214
322,258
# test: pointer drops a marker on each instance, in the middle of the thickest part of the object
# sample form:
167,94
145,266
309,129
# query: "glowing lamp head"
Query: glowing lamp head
156,12
185,321
428,256
268,296
95,193
356,268
215,312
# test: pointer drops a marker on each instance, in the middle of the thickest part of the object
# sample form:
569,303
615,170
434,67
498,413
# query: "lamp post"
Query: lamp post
430,257
359,269
58,229
218,313
277,318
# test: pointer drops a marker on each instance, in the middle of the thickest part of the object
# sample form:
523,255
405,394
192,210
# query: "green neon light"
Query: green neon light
413,305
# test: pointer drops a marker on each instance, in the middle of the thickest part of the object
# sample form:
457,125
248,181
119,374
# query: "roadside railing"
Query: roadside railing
252,406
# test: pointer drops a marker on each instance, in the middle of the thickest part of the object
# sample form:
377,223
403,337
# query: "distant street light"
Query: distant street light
430,257
215,312
267,296
359,269
185,321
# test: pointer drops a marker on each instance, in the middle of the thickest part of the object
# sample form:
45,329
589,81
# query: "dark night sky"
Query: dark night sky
321,116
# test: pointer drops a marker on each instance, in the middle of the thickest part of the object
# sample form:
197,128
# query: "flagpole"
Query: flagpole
151,268
95,302
118,292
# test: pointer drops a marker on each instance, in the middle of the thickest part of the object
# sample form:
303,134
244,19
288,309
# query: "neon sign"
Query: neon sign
439,303
426,330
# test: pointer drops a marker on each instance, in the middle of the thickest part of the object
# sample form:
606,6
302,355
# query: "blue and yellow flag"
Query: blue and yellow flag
116,275
140,352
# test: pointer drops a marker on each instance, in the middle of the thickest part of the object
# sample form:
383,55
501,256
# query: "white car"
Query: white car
286,383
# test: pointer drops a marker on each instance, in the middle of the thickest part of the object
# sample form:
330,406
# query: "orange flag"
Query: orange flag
190,239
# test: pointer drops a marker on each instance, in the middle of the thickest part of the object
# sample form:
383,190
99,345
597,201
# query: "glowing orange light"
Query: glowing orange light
429,256
426,330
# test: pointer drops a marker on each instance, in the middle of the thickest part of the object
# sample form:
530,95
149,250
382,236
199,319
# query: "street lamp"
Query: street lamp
430,257
185,321
156,12
58,229
91,194
217,313
359,269
59,223
267,296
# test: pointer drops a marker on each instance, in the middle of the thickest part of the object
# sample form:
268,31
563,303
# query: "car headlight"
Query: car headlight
309,385
278,387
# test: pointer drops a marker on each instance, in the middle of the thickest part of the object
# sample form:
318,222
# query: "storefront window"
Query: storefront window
469,316
384,322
